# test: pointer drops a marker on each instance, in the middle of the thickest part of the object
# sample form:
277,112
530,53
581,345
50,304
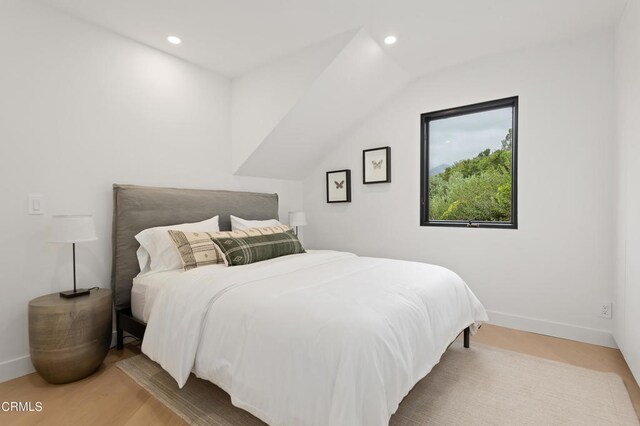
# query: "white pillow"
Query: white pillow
238,224
157,251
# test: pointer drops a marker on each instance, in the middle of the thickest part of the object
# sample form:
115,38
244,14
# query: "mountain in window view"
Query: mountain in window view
438,169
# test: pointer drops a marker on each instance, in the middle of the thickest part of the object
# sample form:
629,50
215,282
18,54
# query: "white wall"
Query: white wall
80,109
627,70
549,275
263,97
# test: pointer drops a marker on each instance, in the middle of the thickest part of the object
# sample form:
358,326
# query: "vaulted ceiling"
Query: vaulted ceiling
232,37
302,104
306,71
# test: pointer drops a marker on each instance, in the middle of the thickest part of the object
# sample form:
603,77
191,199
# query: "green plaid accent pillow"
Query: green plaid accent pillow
246,250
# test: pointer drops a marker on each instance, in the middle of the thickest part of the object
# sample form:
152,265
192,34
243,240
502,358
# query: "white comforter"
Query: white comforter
324,338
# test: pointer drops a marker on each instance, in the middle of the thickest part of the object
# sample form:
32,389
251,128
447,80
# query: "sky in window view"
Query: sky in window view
458,138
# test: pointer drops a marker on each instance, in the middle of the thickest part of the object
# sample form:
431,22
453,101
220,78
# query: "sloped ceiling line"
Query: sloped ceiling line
359,78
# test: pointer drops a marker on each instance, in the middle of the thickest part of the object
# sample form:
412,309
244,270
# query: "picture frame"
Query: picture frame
339,186
376,165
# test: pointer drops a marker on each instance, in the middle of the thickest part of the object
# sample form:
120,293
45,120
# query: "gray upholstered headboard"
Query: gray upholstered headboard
136,208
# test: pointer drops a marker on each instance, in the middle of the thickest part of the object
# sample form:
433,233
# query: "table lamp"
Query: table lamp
73,229
297,219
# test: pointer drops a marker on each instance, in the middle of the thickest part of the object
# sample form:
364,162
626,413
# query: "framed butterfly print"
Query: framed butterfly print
339,186
376,165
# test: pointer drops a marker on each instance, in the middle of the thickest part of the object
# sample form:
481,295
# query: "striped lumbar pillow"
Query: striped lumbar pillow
196,249
251,232
255,248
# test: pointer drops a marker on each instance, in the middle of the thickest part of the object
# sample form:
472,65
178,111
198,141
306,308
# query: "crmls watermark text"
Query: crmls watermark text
16,406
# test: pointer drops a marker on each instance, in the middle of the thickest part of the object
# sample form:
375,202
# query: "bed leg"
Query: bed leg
119,333
467,334
119,339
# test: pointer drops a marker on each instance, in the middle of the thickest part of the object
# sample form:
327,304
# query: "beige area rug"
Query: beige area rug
477,386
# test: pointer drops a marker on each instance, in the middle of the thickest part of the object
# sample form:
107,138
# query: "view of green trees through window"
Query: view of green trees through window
477,189
470,170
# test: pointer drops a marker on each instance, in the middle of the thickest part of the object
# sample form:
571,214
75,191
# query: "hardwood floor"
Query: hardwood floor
110,397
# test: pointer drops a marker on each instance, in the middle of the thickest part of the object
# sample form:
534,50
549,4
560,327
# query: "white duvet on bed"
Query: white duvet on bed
323,338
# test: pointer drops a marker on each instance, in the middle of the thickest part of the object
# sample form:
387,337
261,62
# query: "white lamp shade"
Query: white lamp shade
297,219
72,229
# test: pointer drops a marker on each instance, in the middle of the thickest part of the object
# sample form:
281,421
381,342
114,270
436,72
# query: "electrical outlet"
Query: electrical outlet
605,310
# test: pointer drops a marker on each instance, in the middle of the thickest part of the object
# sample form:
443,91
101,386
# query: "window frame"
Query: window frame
425,119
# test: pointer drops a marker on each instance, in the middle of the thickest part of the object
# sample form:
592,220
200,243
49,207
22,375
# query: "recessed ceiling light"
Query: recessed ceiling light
391,39
174,40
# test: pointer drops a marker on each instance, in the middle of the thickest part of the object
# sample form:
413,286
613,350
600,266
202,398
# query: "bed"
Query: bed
321,338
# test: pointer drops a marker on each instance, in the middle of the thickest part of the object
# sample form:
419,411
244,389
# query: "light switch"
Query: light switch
35,204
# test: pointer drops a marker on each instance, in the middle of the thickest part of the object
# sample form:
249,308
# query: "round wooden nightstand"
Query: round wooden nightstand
69,338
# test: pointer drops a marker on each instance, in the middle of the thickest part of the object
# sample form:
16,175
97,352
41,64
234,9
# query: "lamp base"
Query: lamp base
74,293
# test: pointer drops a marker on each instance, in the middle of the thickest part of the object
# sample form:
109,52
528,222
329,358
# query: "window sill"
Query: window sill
473,225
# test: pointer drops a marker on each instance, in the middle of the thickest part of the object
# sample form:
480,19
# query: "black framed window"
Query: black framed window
468,166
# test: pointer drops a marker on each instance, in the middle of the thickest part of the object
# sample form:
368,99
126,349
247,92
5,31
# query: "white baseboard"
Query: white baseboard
22,366
15,368
555,329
